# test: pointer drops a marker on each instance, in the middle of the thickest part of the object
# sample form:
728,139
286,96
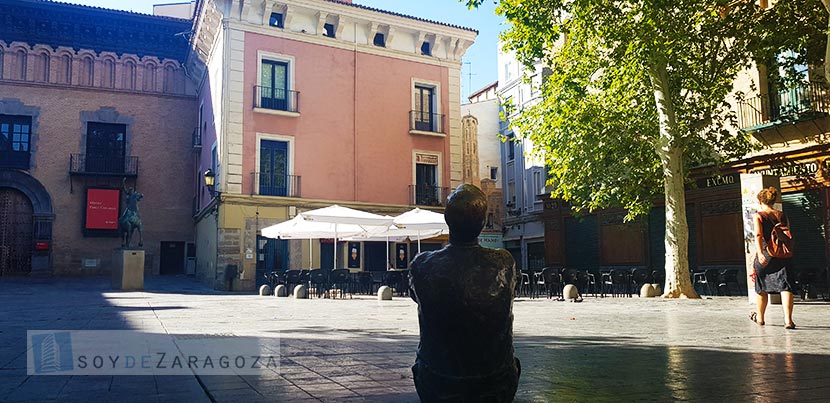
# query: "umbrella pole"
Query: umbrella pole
387,253
419,241
334,266
310,254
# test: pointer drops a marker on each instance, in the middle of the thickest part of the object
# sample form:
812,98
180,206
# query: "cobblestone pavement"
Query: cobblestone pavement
603,349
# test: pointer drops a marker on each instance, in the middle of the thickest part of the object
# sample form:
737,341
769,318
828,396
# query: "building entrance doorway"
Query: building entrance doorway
171,258
16,232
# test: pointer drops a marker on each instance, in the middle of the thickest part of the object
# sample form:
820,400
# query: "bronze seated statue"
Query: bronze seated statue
465,301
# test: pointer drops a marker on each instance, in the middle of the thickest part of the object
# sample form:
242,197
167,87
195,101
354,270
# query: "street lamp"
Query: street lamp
210,181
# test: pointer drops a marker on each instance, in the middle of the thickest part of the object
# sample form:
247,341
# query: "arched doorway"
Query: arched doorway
16,232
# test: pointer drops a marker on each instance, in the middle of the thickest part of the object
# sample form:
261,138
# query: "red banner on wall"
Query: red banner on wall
102,208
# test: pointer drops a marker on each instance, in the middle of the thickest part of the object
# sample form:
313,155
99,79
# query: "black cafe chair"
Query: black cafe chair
340,279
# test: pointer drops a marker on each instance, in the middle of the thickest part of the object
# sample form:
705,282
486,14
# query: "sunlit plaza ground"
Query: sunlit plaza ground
361,349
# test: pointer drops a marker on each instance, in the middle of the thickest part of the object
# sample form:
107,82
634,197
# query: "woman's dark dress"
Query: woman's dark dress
773,278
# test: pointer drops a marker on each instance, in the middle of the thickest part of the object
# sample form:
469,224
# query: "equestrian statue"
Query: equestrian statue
130,220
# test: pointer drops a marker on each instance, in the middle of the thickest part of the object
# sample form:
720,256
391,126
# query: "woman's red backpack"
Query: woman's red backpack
781,242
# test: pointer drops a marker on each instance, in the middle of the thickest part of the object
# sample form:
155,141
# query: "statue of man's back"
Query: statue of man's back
465,298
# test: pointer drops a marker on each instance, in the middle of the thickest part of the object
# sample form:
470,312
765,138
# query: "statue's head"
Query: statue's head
465,213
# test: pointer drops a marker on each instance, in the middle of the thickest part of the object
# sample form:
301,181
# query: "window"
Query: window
276,20
15,141
424,114
105,148
494,173
538,184
426,49
274,85
508,70
511,148
380,40
427,192
329,30
273,168
214,164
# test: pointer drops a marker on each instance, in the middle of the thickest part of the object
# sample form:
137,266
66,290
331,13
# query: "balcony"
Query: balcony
15,159
423,122
275,185
804,103
428,195
276,101
81,164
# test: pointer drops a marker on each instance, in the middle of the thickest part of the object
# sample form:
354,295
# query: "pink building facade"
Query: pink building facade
304,104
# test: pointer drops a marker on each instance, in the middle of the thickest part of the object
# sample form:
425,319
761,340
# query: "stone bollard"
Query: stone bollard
658,289
264,290
570,292
647,291
280,291
300,292
384,293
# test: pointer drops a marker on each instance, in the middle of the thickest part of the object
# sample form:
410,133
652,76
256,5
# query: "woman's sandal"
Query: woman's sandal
790,326
753,316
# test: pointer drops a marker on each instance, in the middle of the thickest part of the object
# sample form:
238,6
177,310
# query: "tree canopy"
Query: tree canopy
597,122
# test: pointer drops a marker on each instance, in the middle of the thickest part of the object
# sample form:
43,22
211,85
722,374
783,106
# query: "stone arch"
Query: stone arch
64,71
130,72
108,72
43,64
42,213
19,55
171,78
87,69
150,73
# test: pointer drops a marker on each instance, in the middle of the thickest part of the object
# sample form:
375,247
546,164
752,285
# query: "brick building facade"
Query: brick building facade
91,99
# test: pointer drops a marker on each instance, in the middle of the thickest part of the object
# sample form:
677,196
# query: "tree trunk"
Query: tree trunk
678,281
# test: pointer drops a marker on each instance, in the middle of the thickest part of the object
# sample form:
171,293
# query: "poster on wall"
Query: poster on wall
401,256
354,255
101,211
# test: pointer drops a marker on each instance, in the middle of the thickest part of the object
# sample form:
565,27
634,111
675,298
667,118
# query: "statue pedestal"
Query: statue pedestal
128,269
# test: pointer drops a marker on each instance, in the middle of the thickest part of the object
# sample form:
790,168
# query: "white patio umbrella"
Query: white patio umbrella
342,218
393,233
300,228
421,221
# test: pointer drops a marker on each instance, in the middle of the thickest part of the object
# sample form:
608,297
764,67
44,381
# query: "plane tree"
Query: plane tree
639,93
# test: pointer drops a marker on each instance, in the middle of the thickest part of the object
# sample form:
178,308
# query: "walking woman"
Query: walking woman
772,276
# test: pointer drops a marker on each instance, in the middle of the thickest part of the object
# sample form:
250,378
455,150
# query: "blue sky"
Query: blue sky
480,59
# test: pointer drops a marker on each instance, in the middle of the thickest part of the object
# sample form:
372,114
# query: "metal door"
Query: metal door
16,232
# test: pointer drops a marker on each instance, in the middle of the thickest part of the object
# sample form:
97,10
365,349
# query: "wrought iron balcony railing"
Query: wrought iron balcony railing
83,164
784,105
276,99
424,121
275,185
428,195
15,159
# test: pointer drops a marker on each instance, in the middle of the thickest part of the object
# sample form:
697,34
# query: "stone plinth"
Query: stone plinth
128,269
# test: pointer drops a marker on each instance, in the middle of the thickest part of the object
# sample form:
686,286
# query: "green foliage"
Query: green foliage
597,122
797,25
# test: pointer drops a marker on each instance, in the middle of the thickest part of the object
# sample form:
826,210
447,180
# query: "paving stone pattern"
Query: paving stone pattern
361,349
